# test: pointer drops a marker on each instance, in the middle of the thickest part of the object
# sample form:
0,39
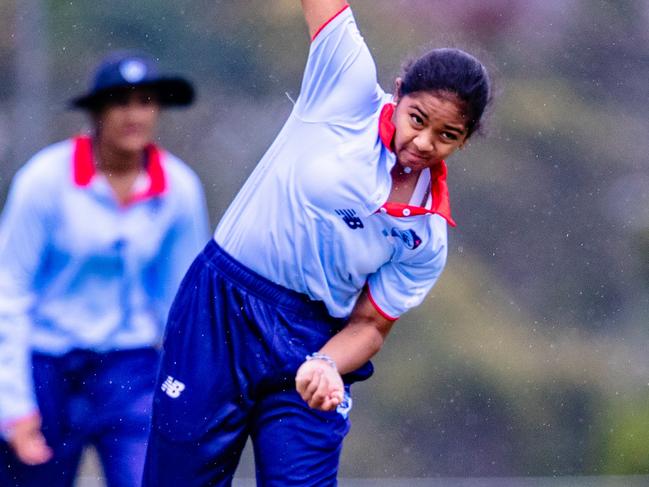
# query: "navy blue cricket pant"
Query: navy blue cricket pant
84,397
233,343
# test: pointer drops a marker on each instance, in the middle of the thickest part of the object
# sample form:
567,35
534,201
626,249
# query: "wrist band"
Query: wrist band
324,358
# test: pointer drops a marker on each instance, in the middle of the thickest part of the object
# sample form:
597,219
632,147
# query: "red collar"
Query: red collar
83,168
441,204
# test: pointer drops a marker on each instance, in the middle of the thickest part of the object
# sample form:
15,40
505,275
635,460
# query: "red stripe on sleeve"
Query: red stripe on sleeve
329,21
376,306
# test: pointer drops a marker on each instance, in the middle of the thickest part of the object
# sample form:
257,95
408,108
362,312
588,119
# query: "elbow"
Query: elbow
376,343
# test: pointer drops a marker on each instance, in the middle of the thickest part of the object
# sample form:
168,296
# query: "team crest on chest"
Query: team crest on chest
409,238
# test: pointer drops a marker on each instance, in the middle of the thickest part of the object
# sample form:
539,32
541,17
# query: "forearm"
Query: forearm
360,340
317,12
353,346
321,385
17,398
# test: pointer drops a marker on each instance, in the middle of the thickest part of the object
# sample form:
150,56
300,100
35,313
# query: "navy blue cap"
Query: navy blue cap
121,70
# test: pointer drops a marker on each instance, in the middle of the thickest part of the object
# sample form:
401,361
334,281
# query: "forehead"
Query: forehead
441,106
122,95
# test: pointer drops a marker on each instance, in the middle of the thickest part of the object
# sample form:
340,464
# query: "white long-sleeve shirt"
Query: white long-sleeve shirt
79,270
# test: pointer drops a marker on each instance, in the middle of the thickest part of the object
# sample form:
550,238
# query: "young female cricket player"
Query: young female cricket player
340,229
96,234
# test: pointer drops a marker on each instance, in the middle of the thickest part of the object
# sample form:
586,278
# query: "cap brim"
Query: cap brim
171,91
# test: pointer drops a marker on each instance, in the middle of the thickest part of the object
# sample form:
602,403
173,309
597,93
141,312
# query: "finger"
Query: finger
337,396
34,451
310,386
314,385
302,380
305,379
321,393
328,405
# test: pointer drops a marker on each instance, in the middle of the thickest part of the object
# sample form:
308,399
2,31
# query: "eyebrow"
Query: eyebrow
422,113
453,128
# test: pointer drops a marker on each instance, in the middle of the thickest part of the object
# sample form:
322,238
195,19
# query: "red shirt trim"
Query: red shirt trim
83,168
441,204
386,127
328,22
376,306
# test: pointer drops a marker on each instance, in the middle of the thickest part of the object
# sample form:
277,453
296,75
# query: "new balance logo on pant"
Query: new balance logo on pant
172,387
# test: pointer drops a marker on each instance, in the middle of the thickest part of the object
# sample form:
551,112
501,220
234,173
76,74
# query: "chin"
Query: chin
135,145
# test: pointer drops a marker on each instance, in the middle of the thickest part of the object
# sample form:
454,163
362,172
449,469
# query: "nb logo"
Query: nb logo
350,218
172,387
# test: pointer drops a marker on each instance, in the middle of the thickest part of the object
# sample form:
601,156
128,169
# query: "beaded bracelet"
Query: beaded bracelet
323,357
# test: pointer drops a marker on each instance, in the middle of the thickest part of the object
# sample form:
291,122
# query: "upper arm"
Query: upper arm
24,228
318,12
400,285
339,84
366,312
185,238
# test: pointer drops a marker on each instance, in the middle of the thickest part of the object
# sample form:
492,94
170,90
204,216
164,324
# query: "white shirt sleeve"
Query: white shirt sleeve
23,238
340,81
402,285
184,241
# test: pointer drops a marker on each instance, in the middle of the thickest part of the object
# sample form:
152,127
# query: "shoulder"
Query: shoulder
181,178
47,169
433,250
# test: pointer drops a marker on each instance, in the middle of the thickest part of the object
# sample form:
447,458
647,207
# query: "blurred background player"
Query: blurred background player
95,237
340,229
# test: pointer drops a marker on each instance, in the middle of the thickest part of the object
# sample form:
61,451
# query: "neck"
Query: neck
401,173
110,160
403,184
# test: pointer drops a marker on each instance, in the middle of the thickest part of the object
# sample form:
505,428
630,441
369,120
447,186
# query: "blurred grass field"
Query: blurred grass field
90,476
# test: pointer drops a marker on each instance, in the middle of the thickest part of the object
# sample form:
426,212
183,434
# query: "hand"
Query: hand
320,385
28,442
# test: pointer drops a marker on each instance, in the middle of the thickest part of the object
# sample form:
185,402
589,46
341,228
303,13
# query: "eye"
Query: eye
147,99
416,119
449,136
118,99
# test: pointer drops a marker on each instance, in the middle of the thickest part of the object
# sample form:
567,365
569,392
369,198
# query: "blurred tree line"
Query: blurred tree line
529,357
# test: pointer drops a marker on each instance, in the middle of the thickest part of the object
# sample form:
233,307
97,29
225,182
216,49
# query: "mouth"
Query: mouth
416,159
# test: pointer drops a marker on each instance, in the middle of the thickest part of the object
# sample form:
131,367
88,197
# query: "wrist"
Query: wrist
323,357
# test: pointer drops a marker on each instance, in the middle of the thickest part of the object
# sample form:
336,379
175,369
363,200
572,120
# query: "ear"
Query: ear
397,89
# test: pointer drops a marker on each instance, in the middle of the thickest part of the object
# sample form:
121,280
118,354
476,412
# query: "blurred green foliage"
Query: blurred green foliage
529,357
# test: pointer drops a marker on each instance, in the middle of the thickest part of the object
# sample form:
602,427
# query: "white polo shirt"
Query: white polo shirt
314,216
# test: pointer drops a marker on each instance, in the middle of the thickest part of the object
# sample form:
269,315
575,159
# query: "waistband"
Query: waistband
260,286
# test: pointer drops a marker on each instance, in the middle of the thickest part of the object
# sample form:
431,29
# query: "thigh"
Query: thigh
121,425
202,396
295,445
66,441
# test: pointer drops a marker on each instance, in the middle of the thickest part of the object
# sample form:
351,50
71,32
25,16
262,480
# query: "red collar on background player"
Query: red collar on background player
84,168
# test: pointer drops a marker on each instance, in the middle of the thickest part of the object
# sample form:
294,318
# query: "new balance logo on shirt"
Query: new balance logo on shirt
172,387
350,218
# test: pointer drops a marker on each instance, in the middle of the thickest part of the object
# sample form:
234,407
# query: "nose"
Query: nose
137,109
424,143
